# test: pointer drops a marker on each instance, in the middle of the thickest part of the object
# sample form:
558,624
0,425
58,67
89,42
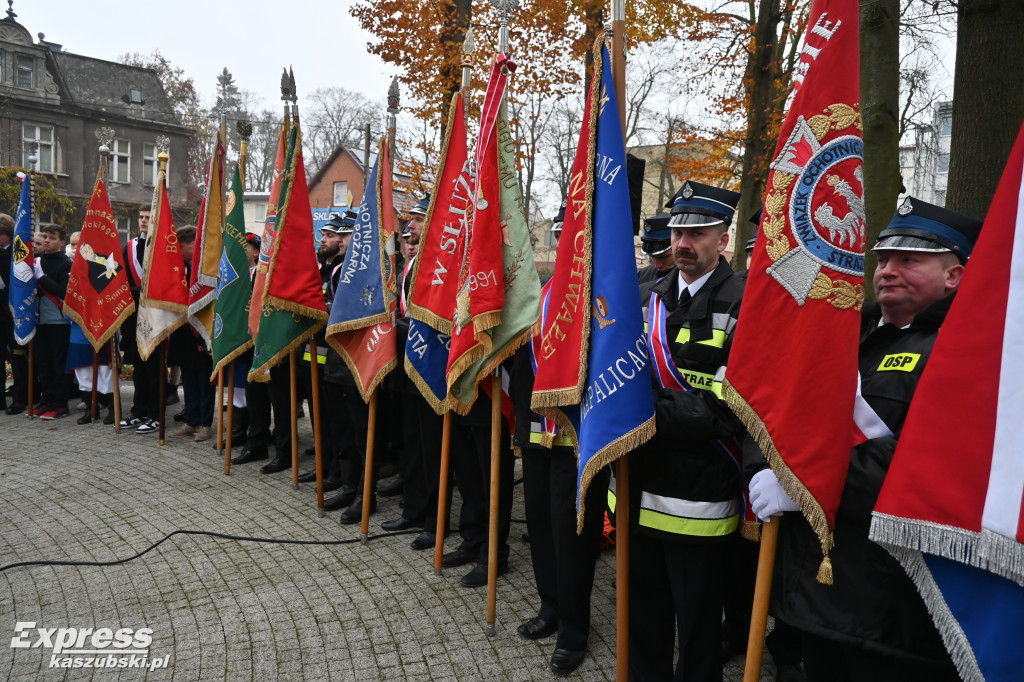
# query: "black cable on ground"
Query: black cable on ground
222,536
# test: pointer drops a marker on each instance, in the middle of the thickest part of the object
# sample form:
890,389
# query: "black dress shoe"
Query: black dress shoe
85,419
344,498
247,455
308,477
180,416
354,513
109,419
564,661
401,523
391,489
538,628
460,557
14,409
478,576
424,540
331,484
275,465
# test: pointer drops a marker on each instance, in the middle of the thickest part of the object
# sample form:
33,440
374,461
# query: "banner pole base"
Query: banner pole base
320,513
491,630
363,538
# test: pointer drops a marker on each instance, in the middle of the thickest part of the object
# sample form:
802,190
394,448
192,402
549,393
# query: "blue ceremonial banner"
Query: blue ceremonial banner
22,297
617,410
426,361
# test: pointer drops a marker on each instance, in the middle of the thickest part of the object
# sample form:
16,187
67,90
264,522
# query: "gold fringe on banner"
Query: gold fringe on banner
439,406
622,445
224,361
255,374
810,507
750,530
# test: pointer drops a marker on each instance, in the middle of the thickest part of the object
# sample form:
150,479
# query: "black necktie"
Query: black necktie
684,296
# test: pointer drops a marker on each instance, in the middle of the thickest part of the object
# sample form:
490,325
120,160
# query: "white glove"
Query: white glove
767,498
38,269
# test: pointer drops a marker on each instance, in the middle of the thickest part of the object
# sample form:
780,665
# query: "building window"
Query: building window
150,164
943,163
341,194
120,161
124,226
26,72
945,126
43,136
261,213
3,66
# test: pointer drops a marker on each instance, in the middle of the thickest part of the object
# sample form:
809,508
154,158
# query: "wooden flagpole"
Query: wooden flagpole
314,373
442,492
94,400
231,414
762,594
492,530
618,55
162,411
294,385
371,437
220,410
115,362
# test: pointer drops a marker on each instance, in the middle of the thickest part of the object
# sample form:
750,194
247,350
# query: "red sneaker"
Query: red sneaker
55,413
39,411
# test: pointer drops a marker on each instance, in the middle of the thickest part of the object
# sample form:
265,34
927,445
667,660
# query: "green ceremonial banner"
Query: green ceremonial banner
522,283
231,335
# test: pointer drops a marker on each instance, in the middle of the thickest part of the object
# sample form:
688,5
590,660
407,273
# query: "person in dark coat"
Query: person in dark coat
871,623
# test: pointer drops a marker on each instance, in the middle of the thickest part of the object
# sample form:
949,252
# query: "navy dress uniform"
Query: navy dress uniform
685,495
871,623
655,241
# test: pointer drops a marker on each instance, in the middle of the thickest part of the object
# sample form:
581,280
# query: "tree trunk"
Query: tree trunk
453,34
759,140
988,100
879,106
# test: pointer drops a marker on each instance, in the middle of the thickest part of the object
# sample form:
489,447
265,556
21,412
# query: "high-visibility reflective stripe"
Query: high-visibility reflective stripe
538,438
611,500
321,358
698,380
680,526
717,340
689,508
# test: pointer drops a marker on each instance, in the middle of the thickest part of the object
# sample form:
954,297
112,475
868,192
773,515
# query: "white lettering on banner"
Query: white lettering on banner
823,28
456,223
379,332
616,375
601,166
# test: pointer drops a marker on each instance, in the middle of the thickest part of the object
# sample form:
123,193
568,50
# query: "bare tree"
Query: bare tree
560,140
332,117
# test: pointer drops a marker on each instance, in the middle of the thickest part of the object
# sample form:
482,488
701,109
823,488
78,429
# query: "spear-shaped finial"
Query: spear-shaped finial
504,6
10,10
392,114
468,47
105,136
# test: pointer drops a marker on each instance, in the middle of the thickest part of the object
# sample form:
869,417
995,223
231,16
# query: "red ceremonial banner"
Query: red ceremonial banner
269,238
435,272
165,286
792,375
560,372
98,297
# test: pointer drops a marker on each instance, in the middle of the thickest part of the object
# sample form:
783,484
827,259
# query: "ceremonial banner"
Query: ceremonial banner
435,272
616,410
362,323
269,239
499,290
234,288
22,298
98,298
950,509
293,300
560,376
792,376
202,291
163,306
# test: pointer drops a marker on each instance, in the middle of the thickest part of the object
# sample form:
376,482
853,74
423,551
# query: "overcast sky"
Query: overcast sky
254,40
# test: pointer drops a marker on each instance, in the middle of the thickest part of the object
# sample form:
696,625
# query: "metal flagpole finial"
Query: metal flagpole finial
504,6
287,86
468,48
105,136
244,129
10,10
393,96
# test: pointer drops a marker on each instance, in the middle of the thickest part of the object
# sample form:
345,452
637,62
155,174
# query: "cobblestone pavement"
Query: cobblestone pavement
224,609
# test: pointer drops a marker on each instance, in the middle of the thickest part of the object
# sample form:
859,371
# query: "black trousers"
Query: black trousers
431,428
357,413
18,392
142,377
563,562
51,356
264,397
339,439
675,587
826,660
421,440
471,452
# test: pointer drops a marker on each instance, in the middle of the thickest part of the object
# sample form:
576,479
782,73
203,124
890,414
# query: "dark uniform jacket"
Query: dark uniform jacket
335,369
872,602
683,487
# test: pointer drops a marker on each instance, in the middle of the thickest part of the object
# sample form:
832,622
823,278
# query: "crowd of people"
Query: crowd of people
691,577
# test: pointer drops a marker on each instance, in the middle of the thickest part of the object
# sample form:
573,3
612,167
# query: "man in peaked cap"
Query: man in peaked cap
686,499
656,242
871,623
418,216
